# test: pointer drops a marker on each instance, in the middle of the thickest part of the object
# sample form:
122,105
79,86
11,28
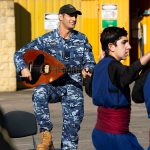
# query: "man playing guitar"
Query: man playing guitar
72,49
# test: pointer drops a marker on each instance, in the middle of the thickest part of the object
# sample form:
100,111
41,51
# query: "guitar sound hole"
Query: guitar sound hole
36,67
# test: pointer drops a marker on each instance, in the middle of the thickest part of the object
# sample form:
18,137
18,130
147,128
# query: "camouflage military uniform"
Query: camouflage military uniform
75,51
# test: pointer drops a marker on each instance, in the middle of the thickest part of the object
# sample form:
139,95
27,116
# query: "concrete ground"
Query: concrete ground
21,100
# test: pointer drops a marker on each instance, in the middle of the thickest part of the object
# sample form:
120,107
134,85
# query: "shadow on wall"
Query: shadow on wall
23,30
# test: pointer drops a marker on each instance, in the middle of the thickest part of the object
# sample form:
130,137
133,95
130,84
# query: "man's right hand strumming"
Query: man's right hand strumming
25,73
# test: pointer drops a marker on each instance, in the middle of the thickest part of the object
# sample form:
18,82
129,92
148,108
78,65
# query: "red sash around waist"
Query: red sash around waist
111,120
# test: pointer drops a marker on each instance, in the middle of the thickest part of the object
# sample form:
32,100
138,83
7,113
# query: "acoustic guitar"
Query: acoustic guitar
44,68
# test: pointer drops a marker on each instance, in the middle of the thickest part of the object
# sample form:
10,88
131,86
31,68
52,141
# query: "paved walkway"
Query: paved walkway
21,100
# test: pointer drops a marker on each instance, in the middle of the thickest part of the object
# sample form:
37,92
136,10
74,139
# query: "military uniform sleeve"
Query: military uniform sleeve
88,60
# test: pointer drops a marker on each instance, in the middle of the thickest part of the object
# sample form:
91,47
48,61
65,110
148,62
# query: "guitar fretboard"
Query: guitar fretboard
72,69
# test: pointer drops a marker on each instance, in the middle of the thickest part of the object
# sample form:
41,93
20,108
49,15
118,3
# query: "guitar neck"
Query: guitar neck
72,69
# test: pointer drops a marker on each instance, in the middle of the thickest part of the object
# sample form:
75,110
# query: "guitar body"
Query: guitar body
44,68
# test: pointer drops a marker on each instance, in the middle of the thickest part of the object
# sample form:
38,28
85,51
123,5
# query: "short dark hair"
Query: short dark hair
111,35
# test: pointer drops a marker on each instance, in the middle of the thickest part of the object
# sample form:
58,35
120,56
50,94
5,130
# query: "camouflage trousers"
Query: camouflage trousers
71,98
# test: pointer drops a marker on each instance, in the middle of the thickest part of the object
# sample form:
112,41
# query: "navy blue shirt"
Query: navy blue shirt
111,79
